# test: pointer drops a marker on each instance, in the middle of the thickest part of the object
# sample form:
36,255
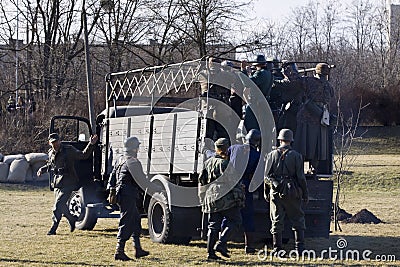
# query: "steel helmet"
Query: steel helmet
222,142
131,143
285,135
253,137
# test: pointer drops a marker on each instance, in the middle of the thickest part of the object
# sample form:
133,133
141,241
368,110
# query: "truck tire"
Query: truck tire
161,222
87,217
159,217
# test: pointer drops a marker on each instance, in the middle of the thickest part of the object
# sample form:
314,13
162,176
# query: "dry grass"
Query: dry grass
26,212
372,183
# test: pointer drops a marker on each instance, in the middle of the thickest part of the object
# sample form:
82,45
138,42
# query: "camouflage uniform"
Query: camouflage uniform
219,205
62,164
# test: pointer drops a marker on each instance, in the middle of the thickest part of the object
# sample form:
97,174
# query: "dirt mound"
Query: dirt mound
343,215
363,216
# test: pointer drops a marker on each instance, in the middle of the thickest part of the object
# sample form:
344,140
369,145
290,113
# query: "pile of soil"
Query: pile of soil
343,215
363,216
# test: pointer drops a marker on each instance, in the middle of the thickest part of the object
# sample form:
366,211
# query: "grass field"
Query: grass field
372,183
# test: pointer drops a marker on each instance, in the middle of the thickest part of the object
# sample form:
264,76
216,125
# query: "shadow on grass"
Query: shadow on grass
26,262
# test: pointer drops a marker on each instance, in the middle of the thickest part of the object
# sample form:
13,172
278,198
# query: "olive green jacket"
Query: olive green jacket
219,188
62,163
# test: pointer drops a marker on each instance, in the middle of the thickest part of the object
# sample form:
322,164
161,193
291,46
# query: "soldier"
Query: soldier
61,162
218,201
291,90
263,79
123,191
212,81
245,159
312,134
284,164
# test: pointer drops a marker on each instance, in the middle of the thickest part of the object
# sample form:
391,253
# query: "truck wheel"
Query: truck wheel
159,217
87,217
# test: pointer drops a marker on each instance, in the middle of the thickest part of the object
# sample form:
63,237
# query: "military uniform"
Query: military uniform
217,84
264,80
126,172
65,179
220,203
312,138
285,163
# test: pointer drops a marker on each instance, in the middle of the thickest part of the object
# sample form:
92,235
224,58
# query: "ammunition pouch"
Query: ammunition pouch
286,187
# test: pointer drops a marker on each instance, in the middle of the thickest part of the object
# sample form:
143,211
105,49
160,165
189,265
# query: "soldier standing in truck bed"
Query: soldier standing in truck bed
264,80
312,134
123,188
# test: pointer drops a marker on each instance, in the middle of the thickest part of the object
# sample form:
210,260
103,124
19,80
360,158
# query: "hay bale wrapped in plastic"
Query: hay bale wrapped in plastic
33,158
4,168
10,158
17,173
29,174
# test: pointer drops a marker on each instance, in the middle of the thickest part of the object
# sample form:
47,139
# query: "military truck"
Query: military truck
164,107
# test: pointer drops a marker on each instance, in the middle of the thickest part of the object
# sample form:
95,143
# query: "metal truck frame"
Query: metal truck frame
162,106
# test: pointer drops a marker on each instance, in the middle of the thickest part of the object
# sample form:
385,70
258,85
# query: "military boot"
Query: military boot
249,243
139,252
53,229
212,238
299,241
120,252
221,245
277,245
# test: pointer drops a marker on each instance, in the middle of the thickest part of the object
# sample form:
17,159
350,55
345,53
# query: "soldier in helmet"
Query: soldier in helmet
124,190
61,162
285,164
221,197
245,160
312,134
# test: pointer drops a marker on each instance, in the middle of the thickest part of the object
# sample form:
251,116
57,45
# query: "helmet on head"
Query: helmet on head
322,68
131,143
259,60
285,135
253,137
